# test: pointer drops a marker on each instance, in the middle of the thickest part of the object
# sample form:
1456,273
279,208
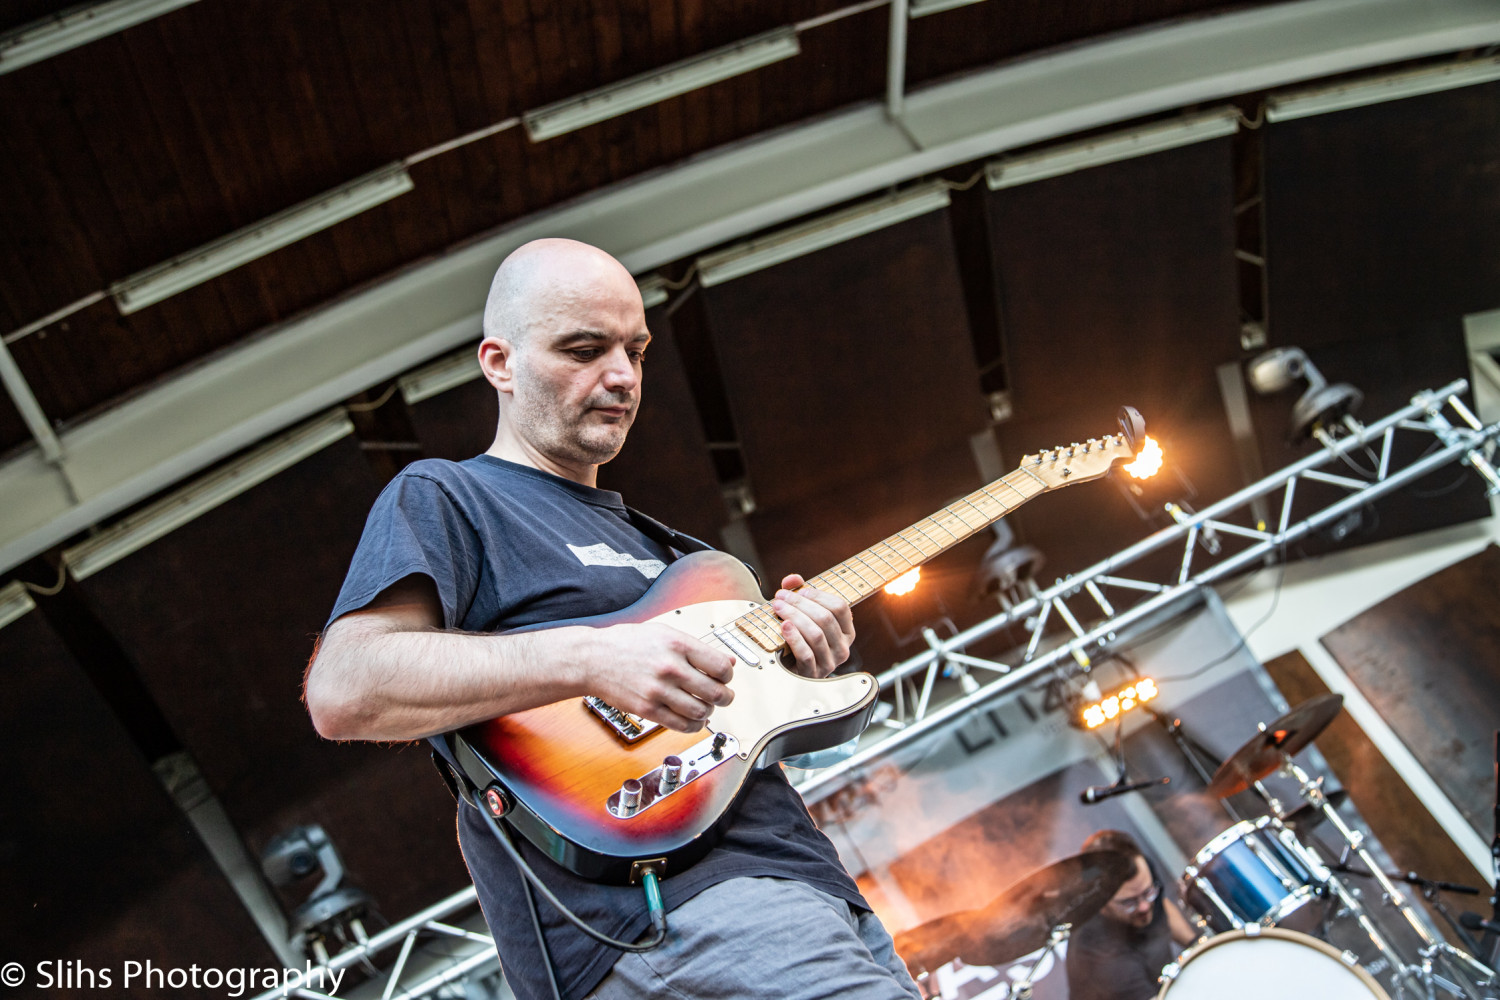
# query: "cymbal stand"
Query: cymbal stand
1424,975
1021,988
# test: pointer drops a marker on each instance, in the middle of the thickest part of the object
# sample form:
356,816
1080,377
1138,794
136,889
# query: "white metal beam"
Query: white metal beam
291,373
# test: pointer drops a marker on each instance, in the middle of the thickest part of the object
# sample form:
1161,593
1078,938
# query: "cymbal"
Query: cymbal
1263,754
1020,919
1302,819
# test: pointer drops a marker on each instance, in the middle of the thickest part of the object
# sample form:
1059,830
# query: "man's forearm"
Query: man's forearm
373,684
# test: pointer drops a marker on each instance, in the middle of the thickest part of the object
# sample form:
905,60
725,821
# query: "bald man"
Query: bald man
454,553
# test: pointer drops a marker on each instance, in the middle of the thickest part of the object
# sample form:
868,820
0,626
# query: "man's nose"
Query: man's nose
620,374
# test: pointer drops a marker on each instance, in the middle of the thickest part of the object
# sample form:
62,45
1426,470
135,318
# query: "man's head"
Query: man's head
1134,903
564,331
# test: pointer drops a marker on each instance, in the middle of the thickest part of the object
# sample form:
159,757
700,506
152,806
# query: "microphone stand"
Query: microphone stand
1193,752
1494,952
1429,889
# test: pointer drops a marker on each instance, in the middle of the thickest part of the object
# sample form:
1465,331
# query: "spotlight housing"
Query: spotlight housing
1320,405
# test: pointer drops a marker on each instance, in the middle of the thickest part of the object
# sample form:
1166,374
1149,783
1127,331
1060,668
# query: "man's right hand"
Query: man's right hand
657,672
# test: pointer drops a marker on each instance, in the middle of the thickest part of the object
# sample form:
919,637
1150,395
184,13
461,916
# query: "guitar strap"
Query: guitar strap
675,542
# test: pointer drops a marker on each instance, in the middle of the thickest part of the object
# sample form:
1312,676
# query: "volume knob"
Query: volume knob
671,772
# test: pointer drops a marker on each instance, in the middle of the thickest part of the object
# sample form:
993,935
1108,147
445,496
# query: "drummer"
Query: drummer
1119,954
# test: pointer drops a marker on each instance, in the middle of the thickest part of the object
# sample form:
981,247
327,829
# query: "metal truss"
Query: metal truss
912,717
472,958
930,711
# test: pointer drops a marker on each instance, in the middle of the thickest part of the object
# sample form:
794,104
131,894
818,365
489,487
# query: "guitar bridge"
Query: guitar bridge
628,727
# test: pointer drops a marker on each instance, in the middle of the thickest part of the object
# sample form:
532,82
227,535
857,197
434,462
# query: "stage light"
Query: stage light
1320,405
1148,462
1123,700
905,583
657,85
186,270
1005,567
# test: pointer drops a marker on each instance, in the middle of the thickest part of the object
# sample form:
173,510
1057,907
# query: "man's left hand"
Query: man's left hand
818,626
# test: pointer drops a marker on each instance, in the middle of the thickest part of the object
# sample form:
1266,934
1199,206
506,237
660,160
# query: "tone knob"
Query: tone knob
630,796
671,772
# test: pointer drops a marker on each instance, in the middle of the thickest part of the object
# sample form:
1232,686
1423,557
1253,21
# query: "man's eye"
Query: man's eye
637,356
585,353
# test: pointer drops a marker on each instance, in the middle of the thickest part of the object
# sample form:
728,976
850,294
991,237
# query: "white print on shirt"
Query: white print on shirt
603,555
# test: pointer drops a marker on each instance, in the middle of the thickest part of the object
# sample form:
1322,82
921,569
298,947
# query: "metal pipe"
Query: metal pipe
895,69
31,411
457,901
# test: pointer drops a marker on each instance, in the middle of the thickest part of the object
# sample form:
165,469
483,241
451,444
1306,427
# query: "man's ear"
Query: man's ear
497,362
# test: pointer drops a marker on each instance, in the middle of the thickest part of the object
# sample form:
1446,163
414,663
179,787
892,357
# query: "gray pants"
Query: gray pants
754,938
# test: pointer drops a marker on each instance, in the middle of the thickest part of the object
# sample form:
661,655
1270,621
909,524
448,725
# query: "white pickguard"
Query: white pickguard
767,696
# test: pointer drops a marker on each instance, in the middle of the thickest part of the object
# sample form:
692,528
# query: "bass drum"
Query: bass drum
1259,962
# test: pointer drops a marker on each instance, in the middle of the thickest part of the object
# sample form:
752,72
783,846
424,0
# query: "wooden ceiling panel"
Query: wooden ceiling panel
982,33
148,143
1118,287
847,362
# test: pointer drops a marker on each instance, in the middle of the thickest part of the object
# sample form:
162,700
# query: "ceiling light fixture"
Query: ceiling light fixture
1111,148
921,8
204,494
49,36
439,376
800,240
14,603
1375,90
657,85
258,239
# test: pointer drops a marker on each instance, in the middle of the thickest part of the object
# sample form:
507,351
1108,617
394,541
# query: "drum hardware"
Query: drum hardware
1037,912
1432,946
1194,752
1270,751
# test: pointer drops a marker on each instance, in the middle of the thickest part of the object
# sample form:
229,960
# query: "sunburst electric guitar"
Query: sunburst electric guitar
605,793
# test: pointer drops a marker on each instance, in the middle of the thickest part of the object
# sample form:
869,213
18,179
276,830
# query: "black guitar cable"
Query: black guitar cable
650,881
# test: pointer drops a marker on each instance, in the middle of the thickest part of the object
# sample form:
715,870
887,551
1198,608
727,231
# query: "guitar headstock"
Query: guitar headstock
1092,459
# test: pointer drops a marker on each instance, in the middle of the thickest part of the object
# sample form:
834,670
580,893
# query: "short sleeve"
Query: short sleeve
415,527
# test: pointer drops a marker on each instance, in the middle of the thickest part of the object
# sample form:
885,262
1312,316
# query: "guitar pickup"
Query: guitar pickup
628,727
675,773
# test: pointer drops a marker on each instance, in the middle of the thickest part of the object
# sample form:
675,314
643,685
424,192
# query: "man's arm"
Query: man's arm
1183,931
389,672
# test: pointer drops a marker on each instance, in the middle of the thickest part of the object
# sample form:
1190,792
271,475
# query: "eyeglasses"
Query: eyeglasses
1134,903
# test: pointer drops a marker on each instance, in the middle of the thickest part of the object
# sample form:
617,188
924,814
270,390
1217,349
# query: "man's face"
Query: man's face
1135,900
577,372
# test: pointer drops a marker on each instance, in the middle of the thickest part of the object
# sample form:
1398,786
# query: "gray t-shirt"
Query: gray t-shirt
507,546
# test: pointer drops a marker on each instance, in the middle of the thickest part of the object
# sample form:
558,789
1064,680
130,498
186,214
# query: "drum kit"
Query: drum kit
1275,916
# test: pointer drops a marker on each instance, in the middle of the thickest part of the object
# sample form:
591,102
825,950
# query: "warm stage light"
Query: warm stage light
905,583
1124,700
1147,462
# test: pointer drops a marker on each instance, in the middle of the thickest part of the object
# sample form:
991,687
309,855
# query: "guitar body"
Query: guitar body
560,765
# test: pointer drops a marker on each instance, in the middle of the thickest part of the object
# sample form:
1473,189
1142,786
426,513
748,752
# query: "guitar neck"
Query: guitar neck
866,572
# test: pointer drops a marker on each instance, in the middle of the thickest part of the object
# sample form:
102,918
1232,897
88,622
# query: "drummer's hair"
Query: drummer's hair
1114,840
